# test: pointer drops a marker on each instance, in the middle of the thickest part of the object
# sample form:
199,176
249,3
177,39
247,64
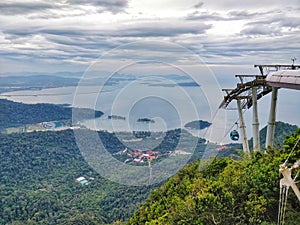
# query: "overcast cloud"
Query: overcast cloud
64,34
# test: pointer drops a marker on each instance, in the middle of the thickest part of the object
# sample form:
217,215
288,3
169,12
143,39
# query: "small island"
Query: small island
145,120
197,125
116,117
188,84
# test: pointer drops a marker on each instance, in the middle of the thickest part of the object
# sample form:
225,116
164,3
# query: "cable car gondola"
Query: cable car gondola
234,135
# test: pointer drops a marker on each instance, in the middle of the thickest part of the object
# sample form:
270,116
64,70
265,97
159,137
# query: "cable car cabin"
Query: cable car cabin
234,135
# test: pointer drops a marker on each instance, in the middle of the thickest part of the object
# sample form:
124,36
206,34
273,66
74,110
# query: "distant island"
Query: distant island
188,84
197,124
116,117
35,82
145,120
181,84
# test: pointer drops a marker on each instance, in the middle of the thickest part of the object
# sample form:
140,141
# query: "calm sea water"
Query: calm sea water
169,106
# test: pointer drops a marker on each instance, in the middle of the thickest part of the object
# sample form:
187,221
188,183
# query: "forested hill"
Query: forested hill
226,192
281,131
14,114
38,185
38,173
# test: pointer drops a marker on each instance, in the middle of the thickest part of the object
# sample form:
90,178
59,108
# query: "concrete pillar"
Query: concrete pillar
255,121
272,119
243,127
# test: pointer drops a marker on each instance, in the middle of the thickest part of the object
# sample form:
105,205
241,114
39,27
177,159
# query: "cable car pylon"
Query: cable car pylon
248,93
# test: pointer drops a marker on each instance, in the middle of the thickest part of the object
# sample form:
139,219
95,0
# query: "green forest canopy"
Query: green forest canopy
228,191
38,172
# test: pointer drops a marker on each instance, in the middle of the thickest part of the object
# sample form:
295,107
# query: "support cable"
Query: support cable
282,204
285,162
286,182
234,124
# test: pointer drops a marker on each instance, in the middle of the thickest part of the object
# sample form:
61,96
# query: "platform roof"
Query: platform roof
284,79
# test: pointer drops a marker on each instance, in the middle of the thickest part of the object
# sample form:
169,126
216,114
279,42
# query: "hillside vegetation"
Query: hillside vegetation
228,191
38,173
15,114
38,186
282,130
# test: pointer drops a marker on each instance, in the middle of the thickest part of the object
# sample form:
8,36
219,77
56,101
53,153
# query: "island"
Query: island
145,120
116,117
197,125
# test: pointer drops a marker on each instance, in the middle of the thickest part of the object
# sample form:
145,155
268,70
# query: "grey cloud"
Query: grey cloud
77,41
291,22
271,26
164,29
282,16
199,5
261,30
64,11
86,43
33,30
82,48
280,20
245,46
47,49
243,14
24,8
13,8
104,5
286,16
67,43
242,49
202,16
143,29
249,4
231,15
63,32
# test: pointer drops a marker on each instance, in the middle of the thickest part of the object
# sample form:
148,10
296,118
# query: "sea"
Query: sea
168,107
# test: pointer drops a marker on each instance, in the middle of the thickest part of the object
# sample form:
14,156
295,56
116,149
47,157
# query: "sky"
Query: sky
69,35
